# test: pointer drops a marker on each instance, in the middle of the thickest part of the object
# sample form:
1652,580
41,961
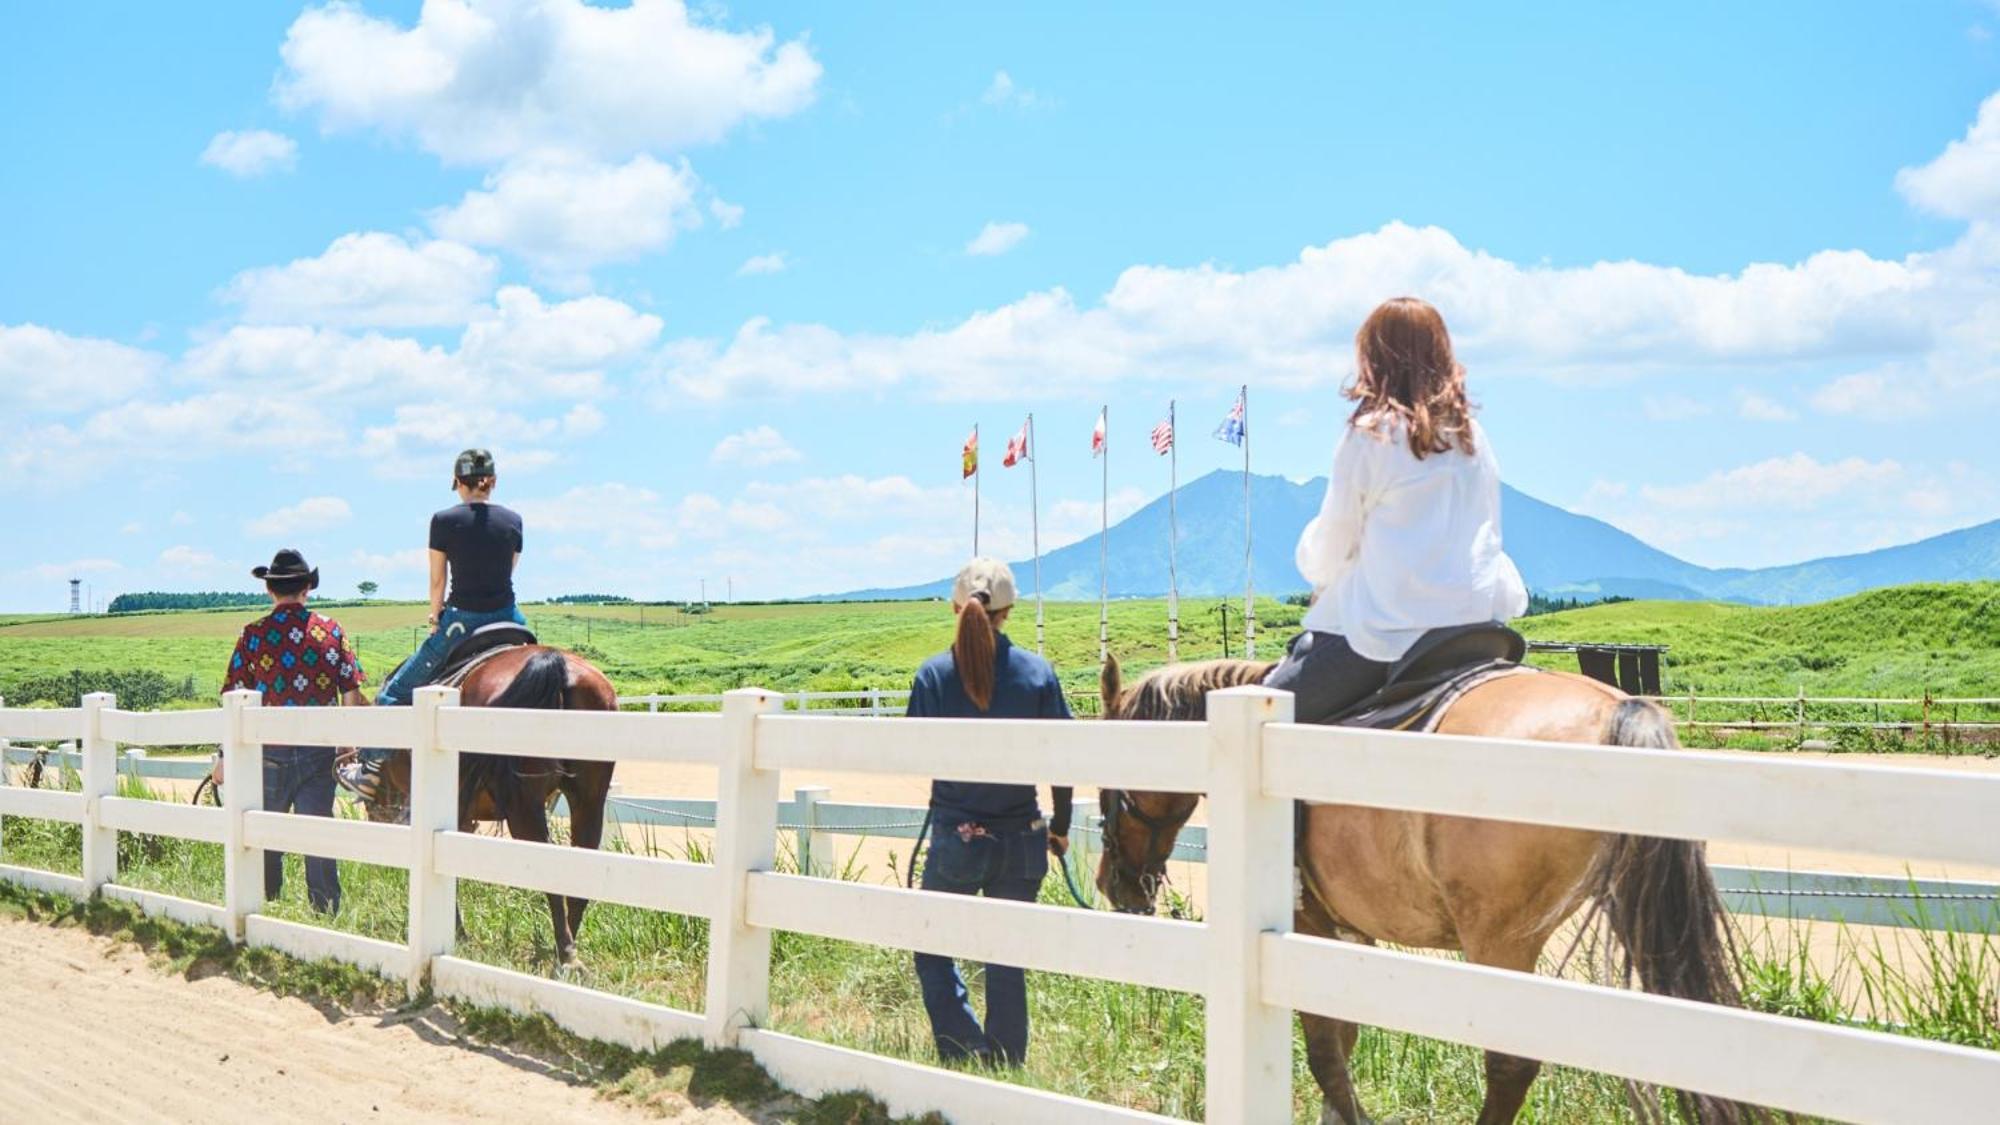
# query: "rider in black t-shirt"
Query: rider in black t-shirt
474,546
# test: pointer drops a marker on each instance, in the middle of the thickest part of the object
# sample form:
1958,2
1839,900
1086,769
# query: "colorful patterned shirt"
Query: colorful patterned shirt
296,658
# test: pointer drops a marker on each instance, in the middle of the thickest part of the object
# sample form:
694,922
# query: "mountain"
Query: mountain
1560,554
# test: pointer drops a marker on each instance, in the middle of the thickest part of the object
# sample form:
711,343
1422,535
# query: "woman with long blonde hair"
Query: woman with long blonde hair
1408,537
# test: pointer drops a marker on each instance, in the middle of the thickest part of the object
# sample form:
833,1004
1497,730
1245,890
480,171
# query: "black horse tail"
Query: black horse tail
1661,903
542,684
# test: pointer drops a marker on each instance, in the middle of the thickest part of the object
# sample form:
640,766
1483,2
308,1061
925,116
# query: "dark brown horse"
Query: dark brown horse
520,791
1495,890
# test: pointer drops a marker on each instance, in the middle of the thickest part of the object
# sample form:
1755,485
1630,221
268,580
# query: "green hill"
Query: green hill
1944,637
1898,641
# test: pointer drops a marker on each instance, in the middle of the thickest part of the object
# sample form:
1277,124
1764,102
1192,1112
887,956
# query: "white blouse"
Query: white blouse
1404,545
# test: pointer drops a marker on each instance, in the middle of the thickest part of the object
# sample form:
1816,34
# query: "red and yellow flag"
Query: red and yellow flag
971,454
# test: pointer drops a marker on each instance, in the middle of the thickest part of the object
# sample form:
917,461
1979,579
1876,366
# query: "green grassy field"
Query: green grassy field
1902,641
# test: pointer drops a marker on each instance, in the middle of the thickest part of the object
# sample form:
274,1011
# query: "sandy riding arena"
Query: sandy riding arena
218,1050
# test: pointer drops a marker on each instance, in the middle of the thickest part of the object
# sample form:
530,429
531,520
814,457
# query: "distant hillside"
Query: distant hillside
1561,554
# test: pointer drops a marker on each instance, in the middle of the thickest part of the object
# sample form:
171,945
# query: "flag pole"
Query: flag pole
975,489
1035,521
1173,537
1249,559
1104,551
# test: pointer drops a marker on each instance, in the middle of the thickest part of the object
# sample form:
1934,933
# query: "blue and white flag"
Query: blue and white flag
1232,429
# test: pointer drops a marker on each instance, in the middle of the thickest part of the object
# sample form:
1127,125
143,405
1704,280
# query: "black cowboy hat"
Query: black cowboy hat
286,565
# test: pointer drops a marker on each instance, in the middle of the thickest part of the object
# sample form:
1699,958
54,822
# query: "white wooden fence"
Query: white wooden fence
1251,970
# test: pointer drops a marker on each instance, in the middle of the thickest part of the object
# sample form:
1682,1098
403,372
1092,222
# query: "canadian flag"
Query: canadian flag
1097,435
1017,448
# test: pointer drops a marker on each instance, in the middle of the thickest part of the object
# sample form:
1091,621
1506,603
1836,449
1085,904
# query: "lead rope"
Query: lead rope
924,833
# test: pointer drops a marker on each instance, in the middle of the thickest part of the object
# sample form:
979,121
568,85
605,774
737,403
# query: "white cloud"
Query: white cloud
1793,483
562,348
617,514
763,264
310,514
1004,93
77,568
186,559
368,279
481,81
1292,325
757,446
251,153
1788,509
727,215
1963,182
1673,408
324,364
996,238
45,370
1070,520
1755,407
372,564
564,214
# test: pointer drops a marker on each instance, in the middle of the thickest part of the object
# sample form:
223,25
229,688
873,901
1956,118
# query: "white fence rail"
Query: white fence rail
1252,972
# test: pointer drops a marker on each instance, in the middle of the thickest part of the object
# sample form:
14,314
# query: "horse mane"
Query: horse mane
1176,691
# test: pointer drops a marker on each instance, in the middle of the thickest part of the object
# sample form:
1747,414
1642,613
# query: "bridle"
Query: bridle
1149,873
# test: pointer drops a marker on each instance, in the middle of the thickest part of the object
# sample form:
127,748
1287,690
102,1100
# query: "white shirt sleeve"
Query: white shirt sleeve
1333,539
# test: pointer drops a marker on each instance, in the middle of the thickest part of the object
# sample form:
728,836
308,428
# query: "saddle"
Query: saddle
478,646
1443,665
474,649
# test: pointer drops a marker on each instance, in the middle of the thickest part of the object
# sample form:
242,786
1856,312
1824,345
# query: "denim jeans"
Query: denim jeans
1008,864
454,625
299,779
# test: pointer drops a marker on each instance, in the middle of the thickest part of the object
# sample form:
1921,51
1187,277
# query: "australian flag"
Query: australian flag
1232,429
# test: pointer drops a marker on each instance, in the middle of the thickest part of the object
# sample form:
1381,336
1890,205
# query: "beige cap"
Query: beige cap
984,576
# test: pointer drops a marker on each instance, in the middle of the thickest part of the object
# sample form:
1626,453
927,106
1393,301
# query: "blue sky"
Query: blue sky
724,289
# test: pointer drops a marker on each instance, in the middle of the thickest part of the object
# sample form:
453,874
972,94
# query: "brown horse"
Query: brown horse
1495,890
520,791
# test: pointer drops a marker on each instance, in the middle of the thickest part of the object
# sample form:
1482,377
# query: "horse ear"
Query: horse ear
1109,684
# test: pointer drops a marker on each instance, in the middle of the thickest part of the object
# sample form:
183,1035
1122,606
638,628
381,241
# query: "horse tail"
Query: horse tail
541,684
1110,685
1660,901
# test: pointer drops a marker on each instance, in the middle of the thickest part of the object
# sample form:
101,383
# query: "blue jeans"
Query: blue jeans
1008,864
454,625
299,779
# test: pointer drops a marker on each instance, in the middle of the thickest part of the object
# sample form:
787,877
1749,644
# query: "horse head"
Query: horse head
1140,827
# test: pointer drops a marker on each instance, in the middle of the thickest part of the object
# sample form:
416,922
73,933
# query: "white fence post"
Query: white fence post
433,809
815,844
242,792
5,745
746,840
1249,895
100,780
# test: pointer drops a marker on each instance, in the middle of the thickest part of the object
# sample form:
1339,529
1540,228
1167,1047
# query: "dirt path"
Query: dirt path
93,1033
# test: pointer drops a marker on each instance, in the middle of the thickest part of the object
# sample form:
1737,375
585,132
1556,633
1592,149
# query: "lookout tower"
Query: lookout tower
76,595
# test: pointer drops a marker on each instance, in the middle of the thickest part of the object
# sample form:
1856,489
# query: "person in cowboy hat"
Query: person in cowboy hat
294,657
474,546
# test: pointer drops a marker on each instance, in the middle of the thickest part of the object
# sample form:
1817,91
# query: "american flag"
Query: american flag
1232,429
1163,436
1017,448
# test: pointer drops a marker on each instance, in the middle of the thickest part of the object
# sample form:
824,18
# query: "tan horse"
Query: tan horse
1495,890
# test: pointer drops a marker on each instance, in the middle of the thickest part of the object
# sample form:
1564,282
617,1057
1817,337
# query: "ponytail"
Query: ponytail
972,651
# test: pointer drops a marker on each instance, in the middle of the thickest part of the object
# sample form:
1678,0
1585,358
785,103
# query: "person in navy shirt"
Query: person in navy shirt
986,837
